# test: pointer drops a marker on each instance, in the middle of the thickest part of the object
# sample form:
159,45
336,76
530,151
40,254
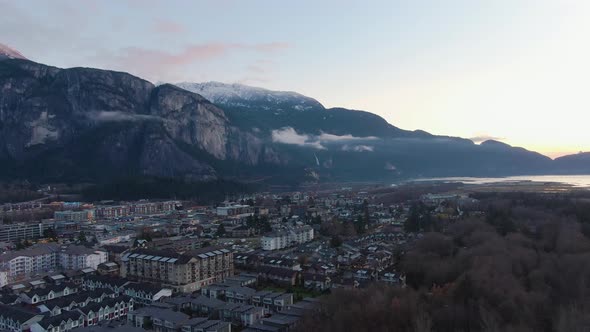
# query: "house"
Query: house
16,319
239,294
280,276
115,284
319,282
108,268
205,306
63,322
242,231
272,301
179,302
243,279
241,314
206,325
40,295
215,291
282,322
163,320
67,303
109,309
284,263
146,293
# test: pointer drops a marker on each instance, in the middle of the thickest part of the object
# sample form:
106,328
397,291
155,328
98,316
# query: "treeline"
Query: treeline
165,188
18,192
524,266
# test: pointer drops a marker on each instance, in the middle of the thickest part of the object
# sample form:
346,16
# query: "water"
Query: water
580,181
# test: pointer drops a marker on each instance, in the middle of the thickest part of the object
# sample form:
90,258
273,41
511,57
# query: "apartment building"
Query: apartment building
235,211
79,257
185,272
43,258
69,215
288,237
135,208
21,231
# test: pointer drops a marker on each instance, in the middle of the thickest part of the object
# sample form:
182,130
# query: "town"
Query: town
255,262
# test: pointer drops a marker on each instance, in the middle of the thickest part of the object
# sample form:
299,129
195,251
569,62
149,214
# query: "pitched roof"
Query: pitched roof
15,313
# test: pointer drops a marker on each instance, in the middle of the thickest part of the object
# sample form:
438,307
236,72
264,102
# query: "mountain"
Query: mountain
91,125
7,52
83,124
246,98
265,110
577,163
359,144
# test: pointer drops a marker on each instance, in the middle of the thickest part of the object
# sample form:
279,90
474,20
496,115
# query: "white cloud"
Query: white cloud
288,135
117,116
358,148
324,137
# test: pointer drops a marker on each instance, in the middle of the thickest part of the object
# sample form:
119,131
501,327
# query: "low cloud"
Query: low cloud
288,135
116,116
335,138
483,138
358,148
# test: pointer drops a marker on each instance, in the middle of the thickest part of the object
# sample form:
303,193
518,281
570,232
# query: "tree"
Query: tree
220,230
82,237
50,234
349,229
335,241
360,225
317,220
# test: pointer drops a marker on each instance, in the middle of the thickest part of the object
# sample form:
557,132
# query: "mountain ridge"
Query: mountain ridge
85,124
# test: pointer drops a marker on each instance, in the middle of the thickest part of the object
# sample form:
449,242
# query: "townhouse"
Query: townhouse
146,293
17,319
108,309
41,295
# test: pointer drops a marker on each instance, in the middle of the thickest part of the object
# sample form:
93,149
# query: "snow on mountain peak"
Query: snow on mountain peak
239,95
6,51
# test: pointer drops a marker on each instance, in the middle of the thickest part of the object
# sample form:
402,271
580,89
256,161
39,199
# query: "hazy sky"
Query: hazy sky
513,70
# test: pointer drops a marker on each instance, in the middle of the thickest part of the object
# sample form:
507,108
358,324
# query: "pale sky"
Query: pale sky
514,70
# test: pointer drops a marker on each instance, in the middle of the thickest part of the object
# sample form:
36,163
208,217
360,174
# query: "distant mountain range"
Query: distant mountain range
90,125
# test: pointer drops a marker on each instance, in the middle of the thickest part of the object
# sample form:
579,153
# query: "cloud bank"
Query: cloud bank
483,138
288,135
358,148
117,116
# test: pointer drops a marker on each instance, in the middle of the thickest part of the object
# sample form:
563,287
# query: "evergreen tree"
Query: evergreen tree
220,230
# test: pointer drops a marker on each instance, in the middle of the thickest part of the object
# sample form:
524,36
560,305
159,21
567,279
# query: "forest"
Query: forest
521,265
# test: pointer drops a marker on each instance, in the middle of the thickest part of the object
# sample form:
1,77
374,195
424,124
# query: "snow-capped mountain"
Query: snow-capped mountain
248,97
7,52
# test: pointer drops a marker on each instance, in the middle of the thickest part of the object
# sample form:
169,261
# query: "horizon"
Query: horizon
508,71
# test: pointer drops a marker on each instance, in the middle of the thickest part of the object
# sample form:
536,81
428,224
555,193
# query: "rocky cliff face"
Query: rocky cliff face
93,123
